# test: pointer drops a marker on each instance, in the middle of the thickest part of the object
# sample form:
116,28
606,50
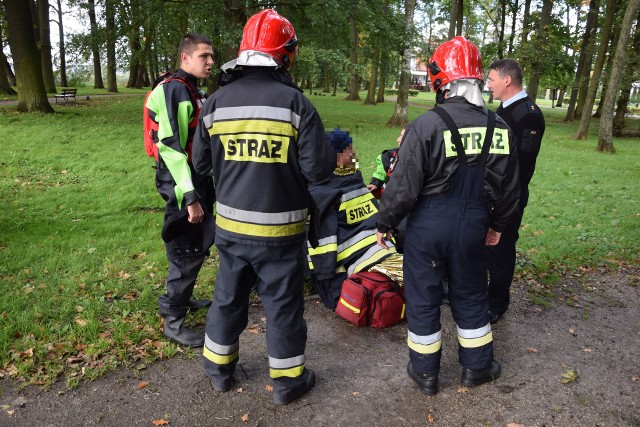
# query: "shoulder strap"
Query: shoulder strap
455,135
488,138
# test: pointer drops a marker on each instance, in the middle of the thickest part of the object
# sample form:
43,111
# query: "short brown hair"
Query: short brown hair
508,67
190,42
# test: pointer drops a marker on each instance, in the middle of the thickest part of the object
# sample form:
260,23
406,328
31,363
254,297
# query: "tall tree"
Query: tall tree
400,115
44,30
605,134
541,40
354,81
628,77
110,32
456,19
590,98
61,45
95,45
32,95
584,60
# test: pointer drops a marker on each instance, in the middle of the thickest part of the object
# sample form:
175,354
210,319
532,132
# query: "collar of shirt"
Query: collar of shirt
514,98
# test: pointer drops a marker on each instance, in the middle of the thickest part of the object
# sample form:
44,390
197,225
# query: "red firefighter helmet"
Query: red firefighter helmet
455,59
270,33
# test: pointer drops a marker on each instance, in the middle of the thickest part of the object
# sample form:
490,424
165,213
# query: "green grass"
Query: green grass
82,262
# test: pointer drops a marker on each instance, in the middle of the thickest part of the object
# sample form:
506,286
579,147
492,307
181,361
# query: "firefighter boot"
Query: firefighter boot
428,383
286,390
175,330
474,377
197,304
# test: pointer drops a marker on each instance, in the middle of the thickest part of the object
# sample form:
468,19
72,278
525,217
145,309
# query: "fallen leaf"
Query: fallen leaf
268,387
586,350
239,390
532,350
355,393
569,376
463,389
515,425
81,322
264,319
572,331
142,384
160,422
634,379
245,418
253,329
11,412
430,418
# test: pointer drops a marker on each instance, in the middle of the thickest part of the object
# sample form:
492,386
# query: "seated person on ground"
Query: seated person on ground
384,166
346,224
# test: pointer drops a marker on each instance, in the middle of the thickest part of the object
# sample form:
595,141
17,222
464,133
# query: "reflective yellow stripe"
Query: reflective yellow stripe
310,265
219,359
373,259
259,127
356,201
402,314
349,306
331,247
475,342
291,372
355,248
260,230
424,349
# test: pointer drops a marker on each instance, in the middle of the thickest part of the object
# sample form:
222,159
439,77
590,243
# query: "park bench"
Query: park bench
66,95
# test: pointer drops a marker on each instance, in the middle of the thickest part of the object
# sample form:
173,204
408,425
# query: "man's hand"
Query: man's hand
493,237
196,214
381,237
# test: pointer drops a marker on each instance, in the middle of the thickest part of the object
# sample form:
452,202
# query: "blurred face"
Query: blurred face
200,62
346,157
498,85
399,140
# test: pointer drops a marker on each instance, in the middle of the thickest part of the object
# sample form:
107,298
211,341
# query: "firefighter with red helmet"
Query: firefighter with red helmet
457,176
263,142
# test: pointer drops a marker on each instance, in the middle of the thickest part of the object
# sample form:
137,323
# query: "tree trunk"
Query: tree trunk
110,29
514,20
621,108
61,46
44,31
607,68
32,95
545,17
561,93
590,98
371,92
134,62
354,81
95,46
400,115
455,22
592,20
526,17
503,17
628,77
605,135
383,77
5,86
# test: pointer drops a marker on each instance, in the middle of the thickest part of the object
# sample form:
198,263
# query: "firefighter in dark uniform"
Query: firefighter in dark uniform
527,124
188,221
263,142
457,177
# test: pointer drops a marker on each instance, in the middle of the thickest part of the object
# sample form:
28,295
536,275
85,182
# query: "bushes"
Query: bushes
412,92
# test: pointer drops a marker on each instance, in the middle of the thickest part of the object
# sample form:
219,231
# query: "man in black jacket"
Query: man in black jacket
460,196
263,142
527,124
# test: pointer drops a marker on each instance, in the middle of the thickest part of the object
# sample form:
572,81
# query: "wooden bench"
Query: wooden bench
66,95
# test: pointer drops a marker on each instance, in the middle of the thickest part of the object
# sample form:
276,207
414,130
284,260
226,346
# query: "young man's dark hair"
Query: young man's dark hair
190,41
508,67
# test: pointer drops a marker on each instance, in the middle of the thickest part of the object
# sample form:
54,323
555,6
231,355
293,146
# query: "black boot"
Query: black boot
428,383
197,304
475,377
175,330
286,390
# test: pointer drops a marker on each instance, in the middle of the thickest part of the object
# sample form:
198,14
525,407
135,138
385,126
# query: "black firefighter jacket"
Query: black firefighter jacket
427,162
263,142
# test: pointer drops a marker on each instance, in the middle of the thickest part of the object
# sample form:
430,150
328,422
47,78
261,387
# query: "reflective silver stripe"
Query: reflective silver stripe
325,241
355,239
286,363
425,339
474,333
257,112
368,254
353,194
219,348
270,218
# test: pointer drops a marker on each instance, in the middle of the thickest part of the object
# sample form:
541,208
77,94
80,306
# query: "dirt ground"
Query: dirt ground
362,377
